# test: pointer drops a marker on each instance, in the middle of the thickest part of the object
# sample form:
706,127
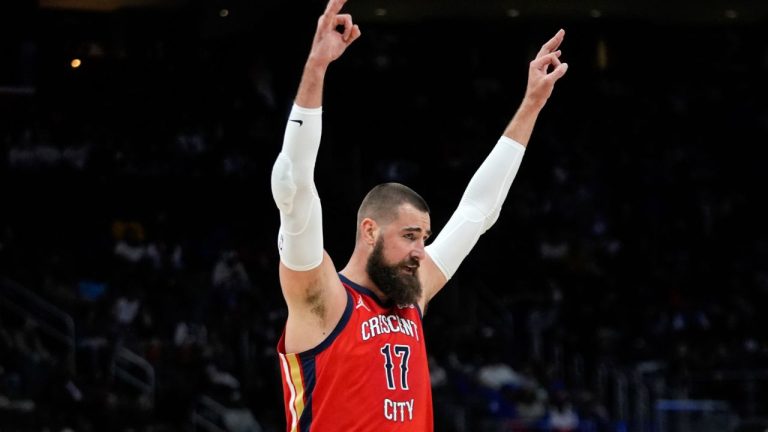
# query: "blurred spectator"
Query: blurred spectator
230,280
562,416
130,244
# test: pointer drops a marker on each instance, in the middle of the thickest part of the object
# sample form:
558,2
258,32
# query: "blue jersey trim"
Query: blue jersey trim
308,371
335,333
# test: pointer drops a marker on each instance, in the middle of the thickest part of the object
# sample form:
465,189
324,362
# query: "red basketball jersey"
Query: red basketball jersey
370,374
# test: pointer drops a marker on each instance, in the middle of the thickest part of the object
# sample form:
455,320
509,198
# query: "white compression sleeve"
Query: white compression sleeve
300,239
479,206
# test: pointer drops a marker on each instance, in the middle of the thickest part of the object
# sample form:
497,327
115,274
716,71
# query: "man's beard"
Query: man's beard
399,286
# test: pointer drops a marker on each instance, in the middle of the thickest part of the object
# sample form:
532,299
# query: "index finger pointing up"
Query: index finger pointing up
552,44
334,7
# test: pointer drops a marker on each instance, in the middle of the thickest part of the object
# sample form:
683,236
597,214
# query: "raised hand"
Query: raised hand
545,70
329,44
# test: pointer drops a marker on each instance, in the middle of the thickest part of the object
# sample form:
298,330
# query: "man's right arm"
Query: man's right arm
308,277
300,238
293,188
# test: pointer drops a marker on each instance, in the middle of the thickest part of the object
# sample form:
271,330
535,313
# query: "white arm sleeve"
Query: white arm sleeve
300,239
479,206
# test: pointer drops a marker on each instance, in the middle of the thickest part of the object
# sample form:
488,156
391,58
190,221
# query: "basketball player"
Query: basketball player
352,353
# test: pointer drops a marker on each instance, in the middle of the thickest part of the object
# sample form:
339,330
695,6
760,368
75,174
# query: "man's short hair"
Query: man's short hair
383,201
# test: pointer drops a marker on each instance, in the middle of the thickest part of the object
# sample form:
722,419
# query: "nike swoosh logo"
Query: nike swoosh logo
300,122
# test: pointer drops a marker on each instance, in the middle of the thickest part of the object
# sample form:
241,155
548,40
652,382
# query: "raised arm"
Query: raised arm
482,200
300,240
308,278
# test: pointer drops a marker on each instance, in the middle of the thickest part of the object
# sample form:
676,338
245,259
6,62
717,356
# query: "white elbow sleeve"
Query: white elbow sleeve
479,207
300,240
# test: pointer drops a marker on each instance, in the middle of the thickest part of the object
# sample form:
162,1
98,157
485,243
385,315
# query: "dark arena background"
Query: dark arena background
623,288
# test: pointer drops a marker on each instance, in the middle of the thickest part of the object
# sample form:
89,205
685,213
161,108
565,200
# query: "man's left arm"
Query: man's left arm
483,198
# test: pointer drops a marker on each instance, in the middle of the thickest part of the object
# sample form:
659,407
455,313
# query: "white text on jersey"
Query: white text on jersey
385,324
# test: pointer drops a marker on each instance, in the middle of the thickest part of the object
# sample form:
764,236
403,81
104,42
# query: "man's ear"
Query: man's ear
369,231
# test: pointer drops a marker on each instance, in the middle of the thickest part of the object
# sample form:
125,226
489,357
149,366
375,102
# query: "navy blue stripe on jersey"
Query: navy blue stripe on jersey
308,373
339,327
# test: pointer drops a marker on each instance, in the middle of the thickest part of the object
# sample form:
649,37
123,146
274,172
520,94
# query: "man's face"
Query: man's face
398,281
398,277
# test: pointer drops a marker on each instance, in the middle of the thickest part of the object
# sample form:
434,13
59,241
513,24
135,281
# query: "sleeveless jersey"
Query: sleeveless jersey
370,374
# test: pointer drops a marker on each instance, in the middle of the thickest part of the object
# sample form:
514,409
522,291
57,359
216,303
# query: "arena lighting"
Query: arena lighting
224,13
602,55
75,63
380,12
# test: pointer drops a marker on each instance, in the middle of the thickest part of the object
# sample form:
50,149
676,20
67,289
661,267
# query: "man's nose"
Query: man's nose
418,253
